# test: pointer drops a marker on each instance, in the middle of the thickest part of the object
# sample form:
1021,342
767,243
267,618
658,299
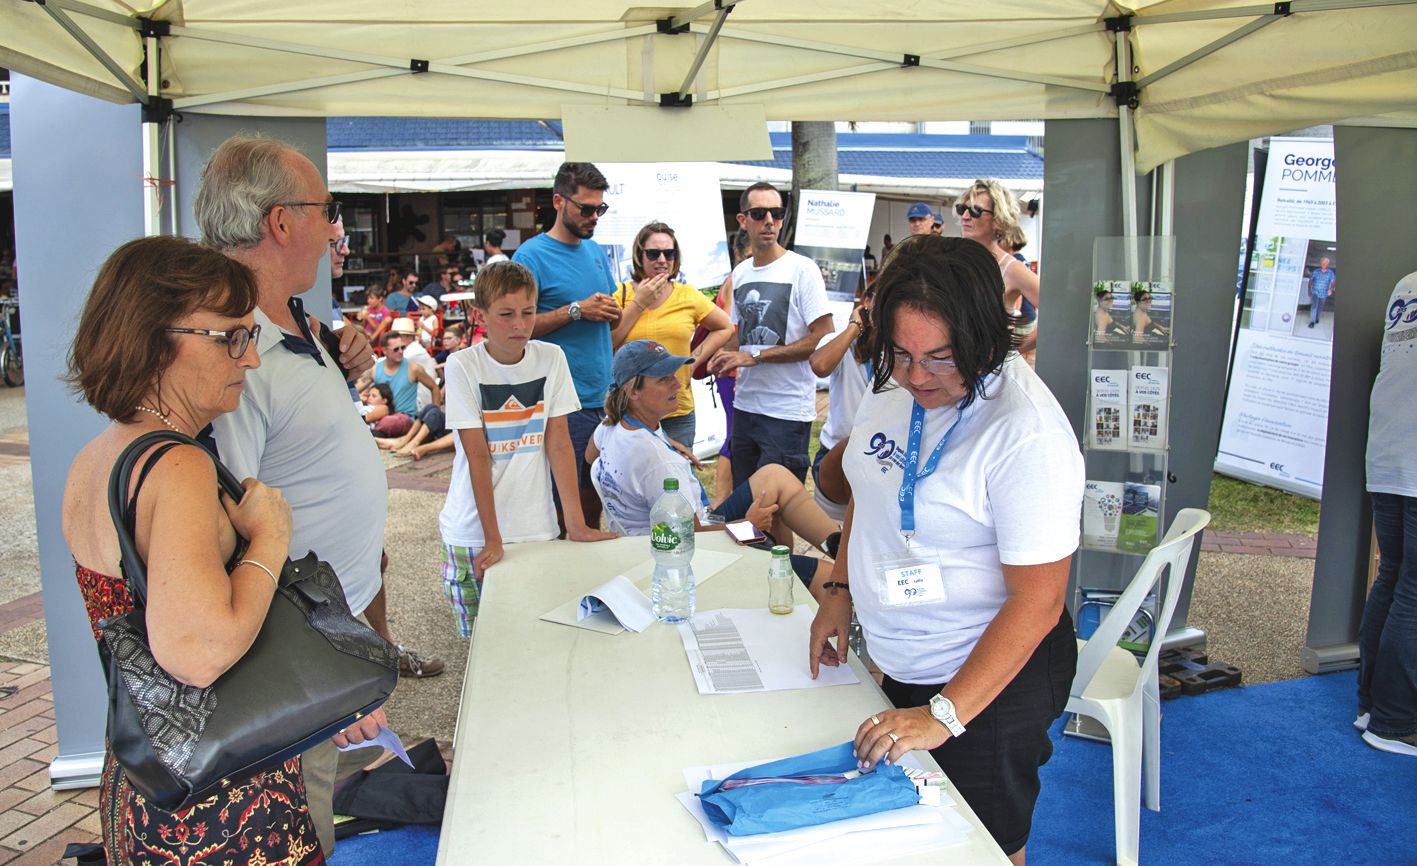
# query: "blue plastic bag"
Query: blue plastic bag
802,792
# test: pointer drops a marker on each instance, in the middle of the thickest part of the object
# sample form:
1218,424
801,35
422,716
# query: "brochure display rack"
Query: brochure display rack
1127,426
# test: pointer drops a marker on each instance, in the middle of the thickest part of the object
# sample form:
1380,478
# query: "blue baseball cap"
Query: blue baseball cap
644,358
920,211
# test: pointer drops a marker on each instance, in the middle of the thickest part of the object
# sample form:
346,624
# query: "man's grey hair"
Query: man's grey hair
245,177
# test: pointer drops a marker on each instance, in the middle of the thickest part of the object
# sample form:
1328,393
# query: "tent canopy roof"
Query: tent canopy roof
1208,71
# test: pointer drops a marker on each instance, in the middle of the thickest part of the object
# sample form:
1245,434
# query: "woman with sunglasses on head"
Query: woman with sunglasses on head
657,308
967,486
988,213
174,359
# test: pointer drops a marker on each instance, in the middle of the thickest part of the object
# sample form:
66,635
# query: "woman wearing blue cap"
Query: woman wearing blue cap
630,457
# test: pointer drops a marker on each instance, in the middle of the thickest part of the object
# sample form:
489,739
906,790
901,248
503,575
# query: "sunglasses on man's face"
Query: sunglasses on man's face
757,214
974,210
656,255
588,210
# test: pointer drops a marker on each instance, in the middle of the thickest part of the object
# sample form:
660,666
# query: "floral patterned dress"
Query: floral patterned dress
258,821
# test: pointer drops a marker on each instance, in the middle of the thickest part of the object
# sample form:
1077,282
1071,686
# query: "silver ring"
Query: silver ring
895,738
875,720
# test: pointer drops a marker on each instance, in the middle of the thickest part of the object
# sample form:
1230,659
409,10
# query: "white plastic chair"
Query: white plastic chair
1113,688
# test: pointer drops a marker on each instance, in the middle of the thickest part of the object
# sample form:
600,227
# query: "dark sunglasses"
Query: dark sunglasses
588,209
331,207
656,255
974,210
757,214
237,339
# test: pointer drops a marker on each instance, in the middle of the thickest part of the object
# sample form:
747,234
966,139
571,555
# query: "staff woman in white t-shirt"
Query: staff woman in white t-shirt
967,486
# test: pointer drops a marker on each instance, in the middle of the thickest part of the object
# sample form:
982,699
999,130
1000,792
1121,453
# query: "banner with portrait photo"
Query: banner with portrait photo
1276,416
832,229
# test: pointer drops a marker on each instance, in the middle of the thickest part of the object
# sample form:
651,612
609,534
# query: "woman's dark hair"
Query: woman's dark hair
637,264
385,390
739,246
121,348
956,280
861,346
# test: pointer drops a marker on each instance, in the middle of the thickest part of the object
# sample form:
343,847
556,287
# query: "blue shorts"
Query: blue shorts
581,424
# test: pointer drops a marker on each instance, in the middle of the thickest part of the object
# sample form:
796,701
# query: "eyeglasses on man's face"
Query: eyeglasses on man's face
237,339
655,255
933,366
758,214
974,210
589,210
332,208
340,245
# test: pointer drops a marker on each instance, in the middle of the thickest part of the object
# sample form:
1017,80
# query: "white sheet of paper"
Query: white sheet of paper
386,739
885,835
621,600
754,650
707,563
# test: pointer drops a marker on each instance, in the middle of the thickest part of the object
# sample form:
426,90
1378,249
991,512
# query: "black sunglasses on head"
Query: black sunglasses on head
757,214
656,255
974,210
589,209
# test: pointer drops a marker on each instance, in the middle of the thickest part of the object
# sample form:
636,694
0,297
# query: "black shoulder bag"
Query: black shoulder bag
313,670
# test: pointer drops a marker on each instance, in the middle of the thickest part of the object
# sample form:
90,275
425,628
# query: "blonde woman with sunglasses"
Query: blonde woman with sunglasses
988,213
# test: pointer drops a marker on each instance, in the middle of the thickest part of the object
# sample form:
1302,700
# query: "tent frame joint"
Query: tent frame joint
665,26
1282,9
158,109
1126,93
417,67
151,29
910,60
1119,24
676,100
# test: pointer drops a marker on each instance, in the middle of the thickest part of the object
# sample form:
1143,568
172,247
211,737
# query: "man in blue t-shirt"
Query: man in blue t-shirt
575,308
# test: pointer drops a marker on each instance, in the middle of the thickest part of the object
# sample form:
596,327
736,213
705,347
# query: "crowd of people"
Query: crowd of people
565,398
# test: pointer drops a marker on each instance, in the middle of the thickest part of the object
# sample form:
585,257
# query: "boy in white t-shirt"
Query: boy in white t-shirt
507,402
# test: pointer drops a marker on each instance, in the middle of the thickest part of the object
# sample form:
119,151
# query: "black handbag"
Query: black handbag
313,670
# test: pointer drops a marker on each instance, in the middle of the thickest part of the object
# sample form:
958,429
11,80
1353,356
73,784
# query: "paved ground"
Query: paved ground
1251,596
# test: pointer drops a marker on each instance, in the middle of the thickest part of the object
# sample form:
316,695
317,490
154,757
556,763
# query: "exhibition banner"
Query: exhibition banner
832,229
683,195
1276,416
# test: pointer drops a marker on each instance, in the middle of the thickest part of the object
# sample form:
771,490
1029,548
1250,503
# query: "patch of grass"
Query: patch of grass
1238,506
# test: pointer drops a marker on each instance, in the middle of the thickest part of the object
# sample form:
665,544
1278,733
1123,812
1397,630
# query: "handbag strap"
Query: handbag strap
134,569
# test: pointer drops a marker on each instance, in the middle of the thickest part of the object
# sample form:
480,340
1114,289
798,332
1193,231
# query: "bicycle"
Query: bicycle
12,362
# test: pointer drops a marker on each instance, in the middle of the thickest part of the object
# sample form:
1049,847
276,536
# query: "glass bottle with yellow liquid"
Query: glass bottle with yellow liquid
780,580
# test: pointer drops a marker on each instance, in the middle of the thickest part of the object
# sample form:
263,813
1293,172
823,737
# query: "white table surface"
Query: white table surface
570,745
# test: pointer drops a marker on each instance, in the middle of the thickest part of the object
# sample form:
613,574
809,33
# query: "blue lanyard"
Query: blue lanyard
910,475
635,422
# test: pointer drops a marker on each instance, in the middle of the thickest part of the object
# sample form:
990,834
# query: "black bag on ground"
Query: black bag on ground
312,670
393,793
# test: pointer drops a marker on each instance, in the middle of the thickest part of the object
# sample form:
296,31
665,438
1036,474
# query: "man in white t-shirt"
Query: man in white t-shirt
780,308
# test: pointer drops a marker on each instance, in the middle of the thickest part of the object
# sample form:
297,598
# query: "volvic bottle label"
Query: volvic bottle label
663,537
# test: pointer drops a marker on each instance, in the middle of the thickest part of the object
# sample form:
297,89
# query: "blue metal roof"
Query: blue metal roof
916,155
4,130
440,133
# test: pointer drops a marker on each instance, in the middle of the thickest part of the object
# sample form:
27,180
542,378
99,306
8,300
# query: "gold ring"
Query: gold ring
895,738
875,720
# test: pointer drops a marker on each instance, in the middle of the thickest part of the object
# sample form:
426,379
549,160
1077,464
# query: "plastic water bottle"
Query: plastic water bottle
671,541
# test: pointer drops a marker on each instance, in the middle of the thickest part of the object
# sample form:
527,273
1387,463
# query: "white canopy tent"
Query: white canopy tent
1199,72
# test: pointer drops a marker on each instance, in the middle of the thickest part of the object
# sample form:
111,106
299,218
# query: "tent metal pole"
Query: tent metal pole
173,212
800,79
1127,131
98,53
152,147
110,16
1167,171
1207,50
1296,7
704,49
1019,41
723,7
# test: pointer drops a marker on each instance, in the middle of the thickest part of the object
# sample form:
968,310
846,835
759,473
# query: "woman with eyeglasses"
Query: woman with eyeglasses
174,360
967,486
988,214
654,307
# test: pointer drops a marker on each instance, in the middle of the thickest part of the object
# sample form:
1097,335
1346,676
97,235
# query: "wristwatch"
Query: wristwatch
943,709
574,311
756,355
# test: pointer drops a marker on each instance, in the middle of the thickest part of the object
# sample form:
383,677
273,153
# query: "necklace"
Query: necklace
161,417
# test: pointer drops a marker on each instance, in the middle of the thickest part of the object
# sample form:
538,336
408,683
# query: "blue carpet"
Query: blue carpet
1258,775
1267,775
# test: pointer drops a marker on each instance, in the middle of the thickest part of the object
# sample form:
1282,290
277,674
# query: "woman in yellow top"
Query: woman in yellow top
656,308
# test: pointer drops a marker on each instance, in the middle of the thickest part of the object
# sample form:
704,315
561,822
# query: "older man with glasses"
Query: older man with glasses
264,204
780,308
575,308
